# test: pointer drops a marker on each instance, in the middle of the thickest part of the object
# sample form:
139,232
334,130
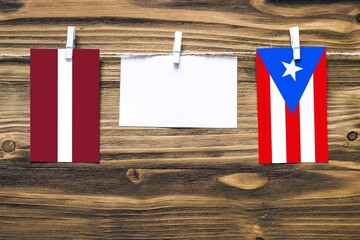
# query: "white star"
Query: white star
291,69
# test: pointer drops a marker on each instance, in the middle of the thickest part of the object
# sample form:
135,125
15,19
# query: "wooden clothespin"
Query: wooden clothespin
295,42
177,47
70,42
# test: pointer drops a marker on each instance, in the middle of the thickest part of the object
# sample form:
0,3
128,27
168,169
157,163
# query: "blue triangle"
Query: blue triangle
291,90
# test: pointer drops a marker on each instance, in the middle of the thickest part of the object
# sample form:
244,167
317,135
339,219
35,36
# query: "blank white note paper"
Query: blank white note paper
200,92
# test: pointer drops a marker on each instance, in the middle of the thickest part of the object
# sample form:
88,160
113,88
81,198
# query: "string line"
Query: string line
129,54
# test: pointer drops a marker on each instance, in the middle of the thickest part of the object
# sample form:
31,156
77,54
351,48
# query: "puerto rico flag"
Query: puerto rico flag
64,106
292,116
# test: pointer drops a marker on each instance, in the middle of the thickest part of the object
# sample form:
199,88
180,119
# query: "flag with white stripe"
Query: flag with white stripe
64,105
292,117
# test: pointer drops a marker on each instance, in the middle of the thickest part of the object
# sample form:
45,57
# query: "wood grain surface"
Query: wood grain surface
180,183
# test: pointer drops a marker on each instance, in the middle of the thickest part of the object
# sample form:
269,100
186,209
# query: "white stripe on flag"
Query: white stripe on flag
64,118
278,124
307,123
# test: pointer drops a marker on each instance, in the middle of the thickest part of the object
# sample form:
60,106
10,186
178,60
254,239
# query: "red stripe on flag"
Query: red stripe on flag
293,154
86,74
264,112
321,137
43,105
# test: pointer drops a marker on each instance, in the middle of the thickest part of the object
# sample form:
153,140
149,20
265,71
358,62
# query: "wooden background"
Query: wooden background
180,183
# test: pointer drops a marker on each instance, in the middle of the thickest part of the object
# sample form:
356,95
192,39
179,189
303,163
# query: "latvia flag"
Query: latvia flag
292,116
64,108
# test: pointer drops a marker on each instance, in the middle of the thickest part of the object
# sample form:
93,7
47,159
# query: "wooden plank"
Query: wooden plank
215,25
180,183
273,202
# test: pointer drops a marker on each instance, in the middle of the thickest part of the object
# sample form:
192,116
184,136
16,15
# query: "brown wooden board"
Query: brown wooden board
168,183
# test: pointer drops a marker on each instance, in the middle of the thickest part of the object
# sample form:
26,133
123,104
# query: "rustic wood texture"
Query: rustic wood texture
180,183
